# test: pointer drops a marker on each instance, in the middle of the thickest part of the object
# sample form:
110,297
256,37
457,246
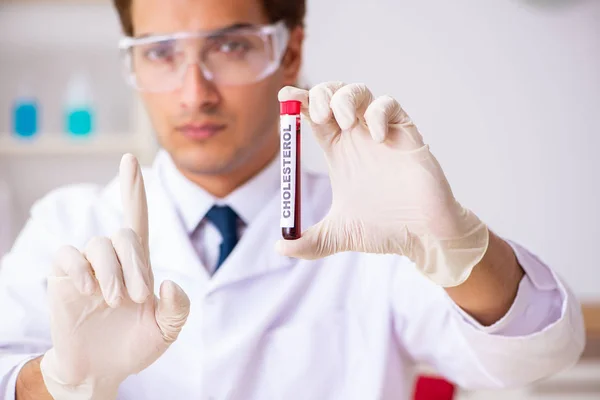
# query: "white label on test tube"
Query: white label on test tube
288,170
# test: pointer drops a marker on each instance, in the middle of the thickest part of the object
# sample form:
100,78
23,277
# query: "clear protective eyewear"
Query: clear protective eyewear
231,56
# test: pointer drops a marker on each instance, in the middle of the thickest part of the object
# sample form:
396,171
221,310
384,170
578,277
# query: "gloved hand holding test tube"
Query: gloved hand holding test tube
390,194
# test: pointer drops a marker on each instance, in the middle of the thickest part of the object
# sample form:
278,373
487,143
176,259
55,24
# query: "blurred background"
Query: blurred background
507,93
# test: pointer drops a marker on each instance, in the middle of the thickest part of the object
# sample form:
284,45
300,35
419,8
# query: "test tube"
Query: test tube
290,169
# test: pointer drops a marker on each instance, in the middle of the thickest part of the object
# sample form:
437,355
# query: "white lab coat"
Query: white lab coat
351,326
5,217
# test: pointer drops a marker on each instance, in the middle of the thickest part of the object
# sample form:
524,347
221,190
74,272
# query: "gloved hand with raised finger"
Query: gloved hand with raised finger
390,195
106,323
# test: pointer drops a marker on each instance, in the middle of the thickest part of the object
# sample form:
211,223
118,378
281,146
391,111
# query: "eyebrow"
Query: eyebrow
216,32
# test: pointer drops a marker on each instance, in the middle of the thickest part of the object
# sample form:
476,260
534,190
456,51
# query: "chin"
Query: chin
204,161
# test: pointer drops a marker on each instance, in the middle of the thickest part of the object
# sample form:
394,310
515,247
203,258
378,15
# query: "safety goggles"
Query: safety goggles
231,56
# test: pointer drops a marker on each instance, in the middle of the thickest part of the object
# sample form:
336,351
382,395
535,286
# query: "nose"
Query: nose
197,91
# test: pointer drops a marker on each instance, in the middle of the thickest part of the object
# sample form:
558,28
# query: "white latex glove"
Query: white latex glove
390,195
106,322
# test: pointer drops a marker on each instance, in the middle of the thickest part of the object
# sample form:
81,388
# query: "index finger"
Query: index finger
133,197
316,108
288,93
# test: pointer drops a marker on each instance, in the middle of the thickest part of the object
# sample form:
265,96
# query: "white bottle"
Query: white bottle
79,109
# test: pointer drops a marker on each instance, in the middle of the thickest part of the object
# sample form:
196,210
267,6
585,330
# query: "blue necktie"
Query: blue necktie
226,221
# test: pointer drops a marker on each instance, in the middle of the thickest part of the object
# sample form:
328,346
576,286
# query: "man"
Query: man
392,272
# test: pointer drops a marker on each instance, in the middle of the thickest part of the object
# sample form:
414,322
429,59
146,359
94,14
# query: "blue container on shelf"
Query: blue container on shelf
80,121
25,117
79,110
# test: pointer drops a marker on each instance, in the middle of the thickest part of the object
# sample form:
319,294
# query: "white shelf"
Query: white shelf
60,144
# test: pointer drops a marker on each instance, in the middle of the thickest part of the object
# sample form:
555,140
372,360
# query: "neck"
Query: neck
221,185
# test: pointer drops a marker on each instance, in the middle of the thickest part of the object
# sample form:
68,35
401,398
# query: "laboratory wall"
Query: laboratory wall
45,46
507,93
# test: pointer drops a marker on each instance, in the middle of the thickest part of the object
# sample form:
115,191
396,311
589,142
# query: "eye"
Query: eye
237,46
234,46
163,51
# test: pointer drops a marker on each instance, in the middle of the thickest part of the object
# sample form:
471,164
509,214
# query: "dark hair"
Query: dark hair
290,11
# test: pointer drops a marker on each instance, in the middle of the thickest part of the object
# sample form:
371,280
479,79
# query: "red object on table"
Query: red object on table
433,388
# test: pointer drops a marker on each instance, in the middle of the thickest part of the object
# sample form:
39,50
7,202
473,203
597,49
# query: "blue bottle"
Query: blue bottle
80,121
25,117
79,115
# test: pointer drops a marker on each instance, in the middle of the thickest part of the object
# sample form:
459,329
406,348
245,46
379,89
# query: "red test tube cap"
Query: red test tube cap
290,107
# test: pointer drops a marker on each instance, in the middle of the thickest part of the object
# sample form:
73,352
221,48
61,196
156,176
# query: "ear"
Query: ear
292,61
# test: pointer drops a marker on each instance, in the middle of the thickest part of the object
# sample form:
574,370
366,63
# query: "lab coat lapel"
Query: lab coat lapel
170,245
255,254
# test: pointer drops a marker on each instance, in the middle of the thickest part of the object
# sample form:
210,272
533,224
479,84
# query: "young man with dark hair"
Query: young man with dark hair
391,272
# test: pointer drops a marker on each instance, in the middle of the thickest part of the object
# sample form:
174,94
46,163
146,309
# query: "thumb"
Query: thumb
172,311
313,244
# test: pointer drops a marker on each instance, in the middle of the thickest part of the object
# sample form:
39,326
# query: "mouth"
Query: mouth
200,131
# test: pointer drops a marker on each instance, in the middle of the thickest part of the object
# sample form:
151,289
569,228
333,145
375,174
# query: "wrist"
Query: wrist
29,383
91,388
490,290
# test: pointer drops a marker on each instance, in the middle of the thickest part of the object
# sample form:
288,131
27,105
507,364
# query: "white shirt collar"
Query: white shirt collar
193,202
